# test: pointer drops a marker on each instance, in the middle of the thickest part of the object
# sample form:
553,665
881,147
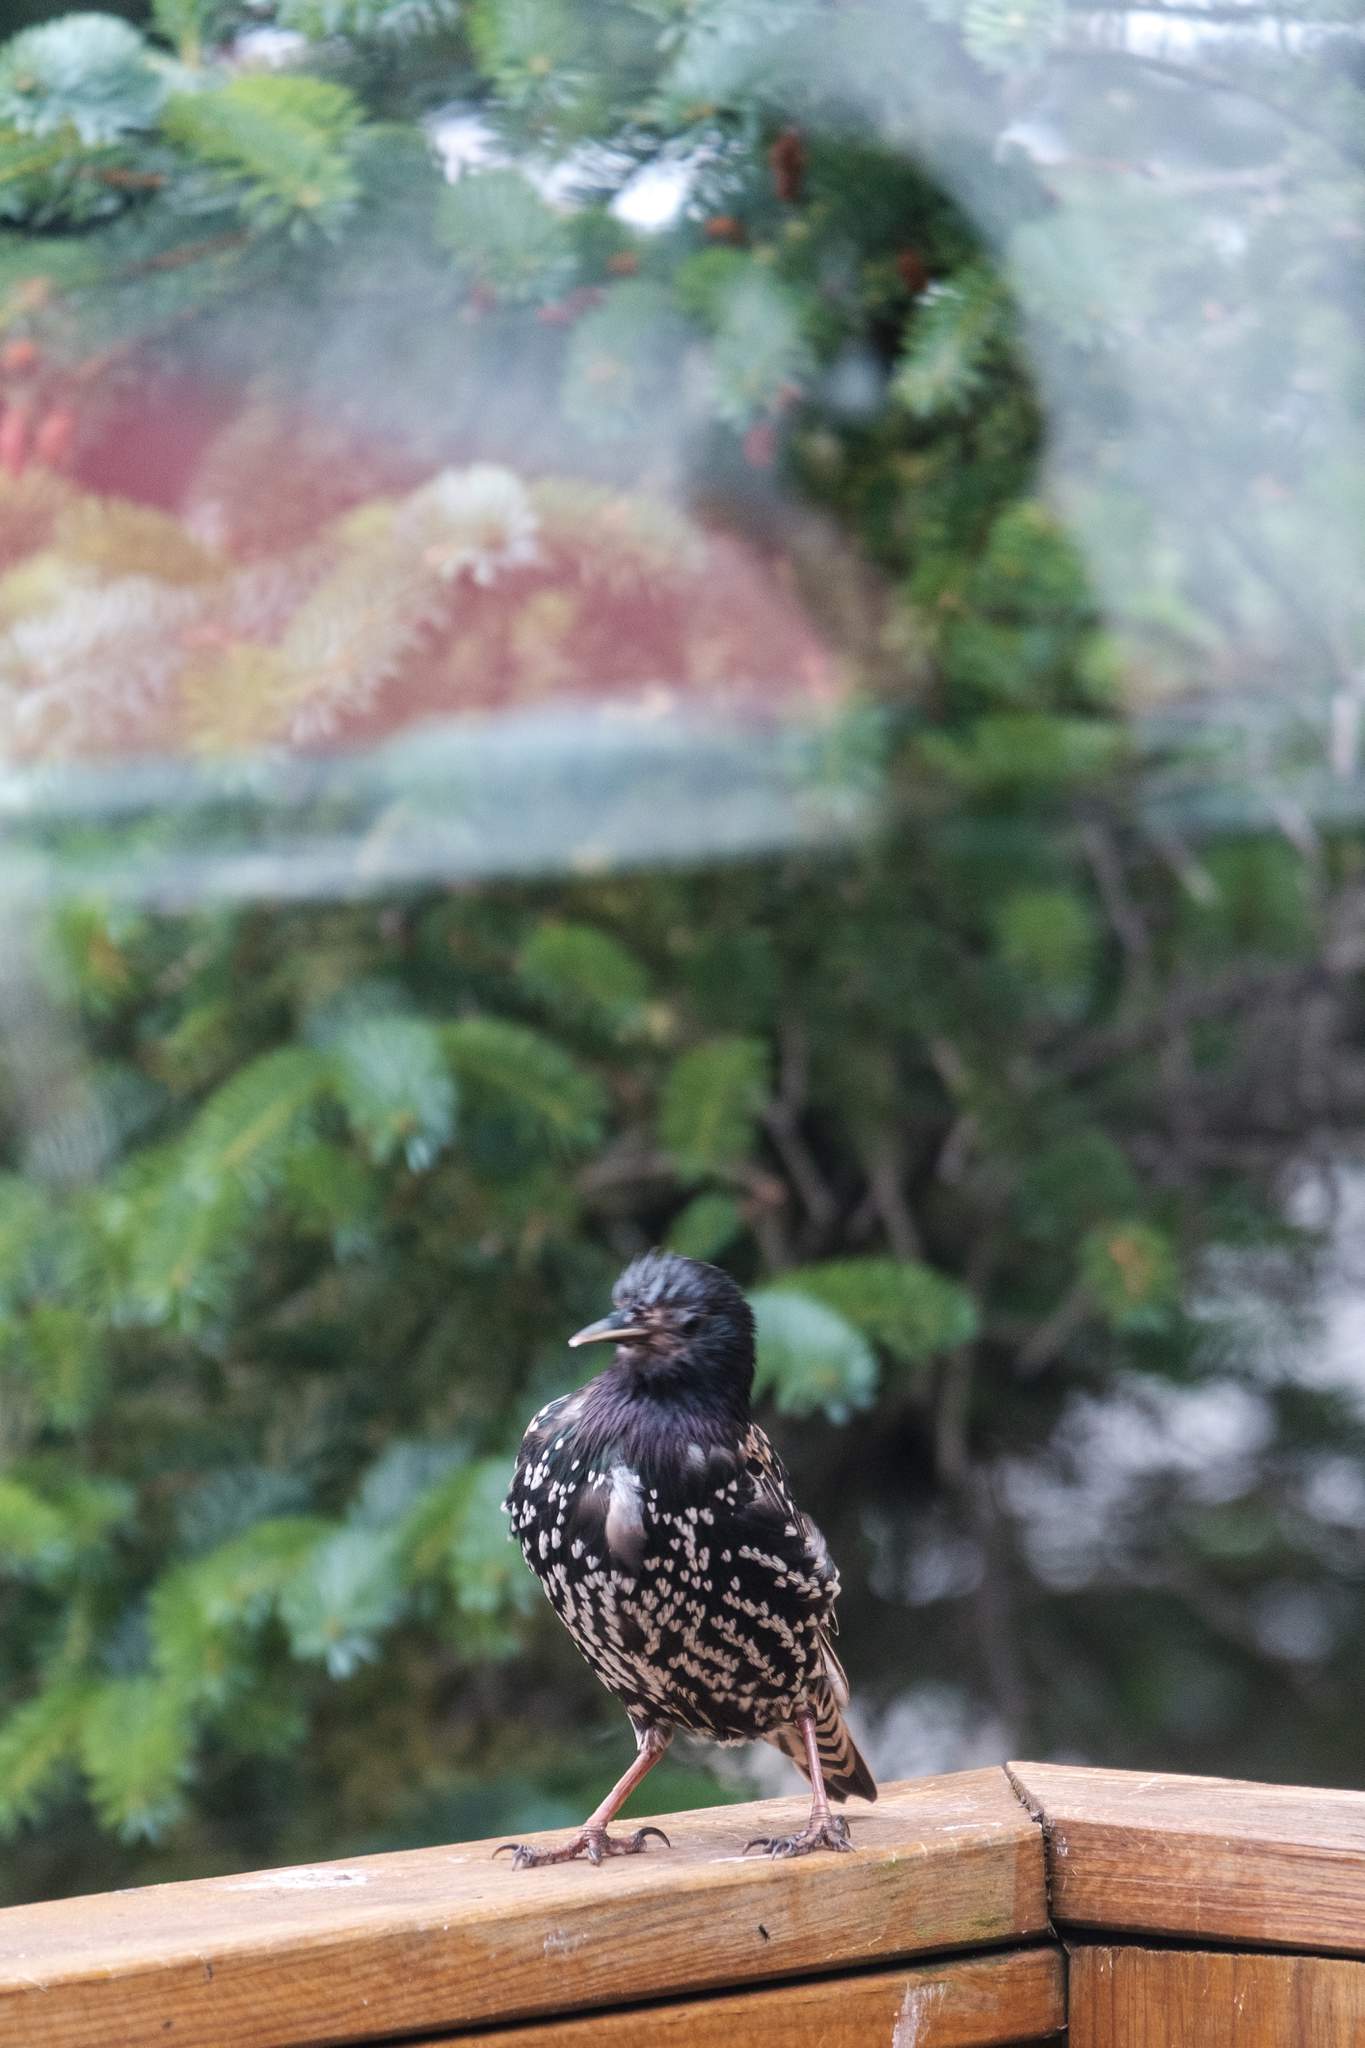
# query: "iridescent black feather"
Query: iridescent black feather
660,1522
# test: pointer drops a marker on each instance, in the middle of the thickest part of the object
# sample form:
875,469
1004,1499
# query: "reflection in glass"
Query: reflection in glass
718,624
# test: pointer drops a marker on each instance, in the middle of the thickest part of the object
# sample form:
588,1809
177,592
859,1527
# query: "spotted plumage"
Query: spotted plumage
661,1524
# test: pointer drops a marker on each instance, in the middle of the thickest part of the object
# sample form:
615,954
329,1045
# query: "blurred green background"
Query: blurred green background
1017,1064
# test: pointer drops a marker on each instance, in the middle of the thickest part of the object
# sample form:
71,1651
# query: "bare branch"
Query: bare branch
782,1121
887,1196
1051,1336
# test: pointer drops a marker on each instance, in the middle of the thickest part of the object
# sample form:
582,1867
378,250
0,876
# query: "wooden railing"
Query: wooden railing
991,1907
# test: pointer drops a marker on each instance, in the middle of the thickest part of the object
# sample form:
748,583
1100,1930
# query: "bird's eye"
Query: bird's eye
688,1322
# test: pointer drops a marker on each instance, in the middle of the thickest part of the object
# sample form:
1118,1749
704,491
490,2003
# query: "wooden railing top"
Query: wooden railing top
1218,1859
439,1939
431,1943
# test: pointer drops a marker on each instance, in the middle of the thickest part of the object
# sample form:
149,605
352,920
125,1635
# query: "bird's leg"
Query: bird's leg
824,1830
592,1839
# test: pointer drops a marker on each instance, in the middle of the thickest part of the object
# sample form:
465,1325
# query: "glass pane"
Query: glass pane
682,622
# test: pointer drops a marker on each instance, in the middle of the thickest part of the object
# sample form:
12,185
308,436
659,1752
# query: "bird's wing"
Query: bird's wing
772,1497
774,1491
541,1431
844,1769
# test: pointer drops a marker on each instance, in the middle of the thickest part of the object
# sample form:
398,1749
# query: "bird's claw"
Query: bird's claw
829,1833
594,1843
522,1856
635,1846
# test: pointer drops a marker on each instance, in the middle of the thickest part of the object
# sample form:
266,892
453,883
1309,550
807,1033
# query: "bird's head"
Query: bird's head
678,1323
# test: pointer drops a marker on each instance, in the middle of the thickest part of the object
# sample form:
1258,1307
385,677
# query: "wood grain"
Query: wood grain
1276,1866
1178,1998
980,2002
438,1939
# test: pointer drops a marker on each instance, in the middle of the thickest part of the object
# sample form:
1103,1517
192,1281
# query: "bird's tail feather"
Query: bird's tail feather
841,1766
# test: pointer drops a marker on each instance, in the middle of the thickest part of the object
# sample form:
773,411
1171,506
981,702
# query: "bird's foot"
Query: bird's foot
824,1831
594,1843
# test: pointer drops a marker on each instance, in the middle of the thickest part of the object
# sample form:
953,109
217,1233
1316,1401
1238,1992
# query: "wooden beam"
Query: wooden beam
1199,1859
1182,1998
440,1939
979,2002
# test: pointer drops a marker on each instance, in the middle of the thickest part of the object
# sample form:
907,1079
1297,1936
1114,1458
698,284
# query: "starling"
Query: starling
660,1522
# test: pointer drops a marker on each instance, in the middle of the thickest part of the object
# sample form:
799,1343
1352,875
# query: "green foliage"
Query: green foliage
182,1218
282,144
205,1613
38,1743
135,1751
761,356
523,1073
88,72
528,48
705,283
453,1538
706,1226
905,1308
50,1519
505,238
184,24
33,1535
395,1086
955,332
1049,937
1257,898
55,181
482,1565
810,1358
329,1191
711,1102
27,1227
1072,1178
241,1138
578,971
368,19
56,1353
341,1598
623,360
1130,1271
1026,753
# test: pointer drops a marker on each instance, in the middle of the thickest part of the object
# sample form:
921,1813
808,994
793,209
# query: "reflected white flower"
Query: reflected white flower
650,198
267,48
476,522
78,669
464,141
657,195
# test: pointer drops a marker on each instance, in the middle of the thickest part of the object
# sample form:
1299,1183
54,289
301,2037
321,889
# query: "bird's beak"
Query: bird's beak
611,1329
